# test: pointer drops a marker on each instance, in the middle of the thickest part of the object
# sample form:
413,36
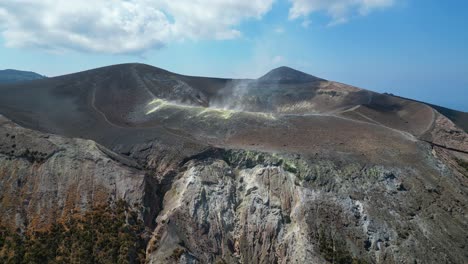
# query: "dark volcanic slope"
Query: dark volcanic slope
285,74
14,76
98,104
114,104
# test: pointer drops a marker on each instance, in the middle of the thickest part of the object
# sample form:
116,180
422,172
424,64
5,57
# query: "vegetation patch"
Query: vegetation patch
250,159
334,250
177,253
464,165
105,234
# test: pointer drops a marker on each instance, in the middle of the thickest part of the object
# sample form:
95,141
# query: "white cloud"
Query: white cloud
122,26
338,10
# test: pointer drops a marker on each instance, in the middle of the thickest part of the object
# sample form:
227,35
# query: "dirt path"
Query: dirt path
432,123
141,82
93,105
404,133
370,119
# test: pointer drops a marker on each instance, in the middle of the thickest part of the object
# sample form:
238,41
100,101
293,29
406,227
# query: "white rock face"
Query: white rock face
217,212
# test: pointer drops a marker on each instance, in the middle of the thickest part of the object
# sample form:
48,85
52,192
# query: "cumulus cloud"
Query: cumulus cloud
338,10
122,26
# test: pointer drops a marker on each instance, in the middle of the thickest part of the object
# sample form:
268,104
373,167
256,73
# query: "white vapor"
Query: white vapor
122,26
339,10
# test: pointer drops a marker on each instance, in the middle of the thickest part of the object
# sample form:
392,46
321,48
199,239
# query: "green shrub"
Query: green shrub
464,165
105,234
334,250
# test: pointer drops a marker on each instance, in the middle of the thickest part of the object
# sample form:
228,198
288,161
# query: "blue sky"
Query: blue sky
416,49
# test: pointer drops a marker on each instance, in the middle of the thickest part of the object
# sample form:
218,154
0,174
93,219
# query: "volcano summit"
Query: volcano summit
286,168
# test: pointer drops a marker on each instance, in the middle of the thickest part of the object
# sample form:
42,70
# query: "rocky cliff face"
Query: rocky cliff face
235,206
45,178
344,176
239,207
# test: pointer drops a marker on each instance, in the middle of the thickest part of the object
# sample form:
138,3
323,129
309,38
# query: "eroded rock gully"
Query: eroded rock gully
246,207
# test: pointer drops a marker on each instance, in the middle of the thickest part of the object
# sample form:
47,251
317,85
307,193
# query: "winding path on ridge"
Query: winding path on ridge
95,108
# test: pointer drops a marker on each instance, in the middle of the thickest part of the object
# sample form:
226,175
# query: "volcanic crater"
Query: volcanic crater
266,170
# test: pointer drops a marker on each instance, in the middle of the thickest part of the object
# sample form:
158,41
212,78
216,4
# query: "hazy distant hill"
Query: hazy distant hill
14,76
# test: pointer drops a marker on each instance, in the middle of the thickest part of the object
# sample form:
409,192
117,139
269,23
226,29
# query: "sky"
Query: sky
412,48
